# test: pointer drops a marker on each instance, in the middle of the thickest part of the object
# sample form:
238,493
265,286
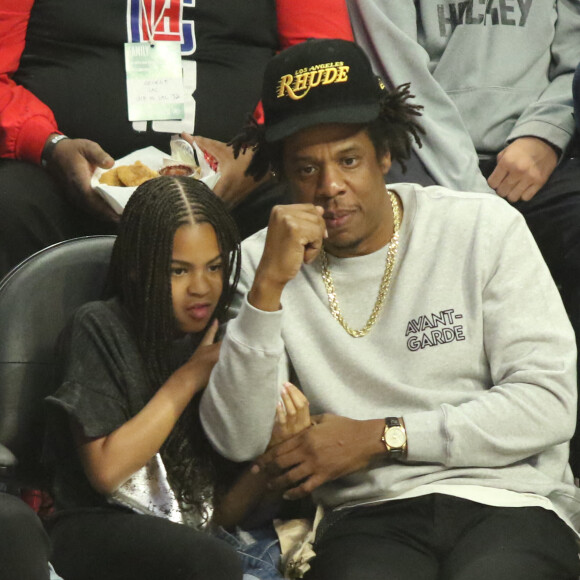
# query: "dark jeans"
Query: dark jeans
24,546
439,537
116,545
258,549
34,214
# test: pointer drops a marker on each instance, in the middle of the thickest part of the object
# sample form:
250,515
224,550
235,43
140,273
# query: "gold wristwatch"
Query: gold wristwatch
395,438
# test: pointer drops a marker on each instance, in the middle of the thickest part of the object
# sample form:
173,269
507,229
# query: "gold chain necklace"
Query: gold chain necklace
385,282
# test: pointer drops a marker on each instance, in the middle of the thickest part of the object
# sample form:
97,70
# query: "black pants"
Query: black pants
24,546
439,537
116,545
34,214
553,216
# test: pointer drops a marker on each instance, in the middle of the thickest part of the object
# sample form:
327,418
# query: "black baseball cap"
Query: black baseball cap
318,81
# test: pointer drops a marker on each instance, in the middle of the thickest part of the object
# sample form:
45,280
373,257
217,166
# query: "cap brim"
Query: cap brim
347,114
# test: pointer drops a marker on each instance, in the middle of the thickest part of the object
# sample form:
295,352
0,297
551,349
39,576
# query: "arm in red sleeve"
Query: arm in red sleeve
25,121
299,20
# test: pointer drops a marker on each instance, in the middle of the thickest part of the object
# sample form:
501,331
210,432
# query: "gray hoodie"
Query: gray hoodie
487,72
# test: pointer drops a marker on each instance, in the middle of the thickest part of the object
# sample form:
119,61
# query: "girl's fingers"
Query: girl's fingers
299,404
297,396
288,403
280,414
210,333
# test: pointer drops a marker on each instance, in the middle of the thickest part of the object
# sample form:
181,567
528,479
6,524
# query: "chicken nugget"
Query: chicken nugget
136,174
110,177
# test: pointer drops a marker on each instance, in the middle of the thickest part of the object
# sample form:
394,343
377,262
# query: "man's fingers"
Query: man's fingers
311,251
497,177
516,192
84,196
304,489
73,161
95,154
278,457
530,192
215,148
291,477
103,210
507,186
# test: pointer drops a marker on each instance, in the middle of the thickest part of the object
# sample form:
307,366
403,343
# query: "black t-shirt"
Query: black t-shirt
74,62
103,386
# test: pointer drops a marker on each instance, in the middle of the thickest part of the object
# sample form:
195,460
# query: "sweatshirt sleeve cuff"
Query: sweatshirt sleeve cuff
426,440
552,134
257,329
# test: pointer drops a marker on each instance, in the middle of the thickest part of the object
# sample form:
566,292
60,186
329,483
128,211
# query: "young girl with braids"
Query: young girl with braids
135,479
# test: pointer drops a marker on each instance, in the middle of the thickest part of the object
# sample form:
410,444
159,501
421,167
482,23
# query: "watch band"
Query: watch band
395,438
49,147
393,421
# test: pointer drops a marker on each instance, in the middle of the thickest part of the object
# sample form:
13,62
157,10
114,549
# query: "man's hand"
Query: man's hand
523,167
73,162
333,447
295,235
233,186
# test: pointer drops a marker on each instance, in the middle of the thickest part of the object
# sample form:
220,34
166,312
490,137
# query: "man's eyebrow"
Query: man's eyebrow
346,150
350,147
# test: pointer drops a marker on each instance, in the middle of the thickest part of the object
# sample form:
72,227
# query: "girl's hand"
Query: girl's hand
202,361
292,415
110,460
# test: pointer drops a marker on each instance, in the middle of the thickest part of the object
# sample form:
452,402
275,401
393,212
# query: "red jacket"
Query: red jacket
26,122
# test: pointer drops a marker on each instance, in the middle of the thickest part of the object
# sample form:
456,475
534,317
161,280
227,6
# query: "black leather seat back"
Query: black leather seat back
36,300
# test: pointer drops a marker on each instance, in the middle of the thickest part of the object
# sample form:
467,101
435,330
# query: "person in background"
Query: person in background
62,72
424,328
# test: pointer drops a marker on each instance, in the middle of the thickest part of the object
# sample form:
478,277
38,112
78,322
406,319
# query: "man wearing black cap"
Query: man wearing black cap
424,328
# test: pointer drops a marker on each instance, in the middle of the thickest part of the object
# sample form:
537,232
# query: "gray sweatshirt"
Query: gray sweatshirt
486,72
473,348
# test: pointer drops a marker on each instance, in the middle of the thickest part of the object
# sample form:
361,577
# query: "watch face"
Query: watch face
395,437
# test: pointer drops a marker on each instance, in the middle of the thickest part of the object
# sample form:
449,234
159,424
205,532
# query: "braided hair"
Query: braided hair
391,132
140,276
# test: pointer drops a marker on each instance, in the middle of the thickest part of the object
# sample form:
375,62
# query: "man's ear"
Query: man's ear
385,162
